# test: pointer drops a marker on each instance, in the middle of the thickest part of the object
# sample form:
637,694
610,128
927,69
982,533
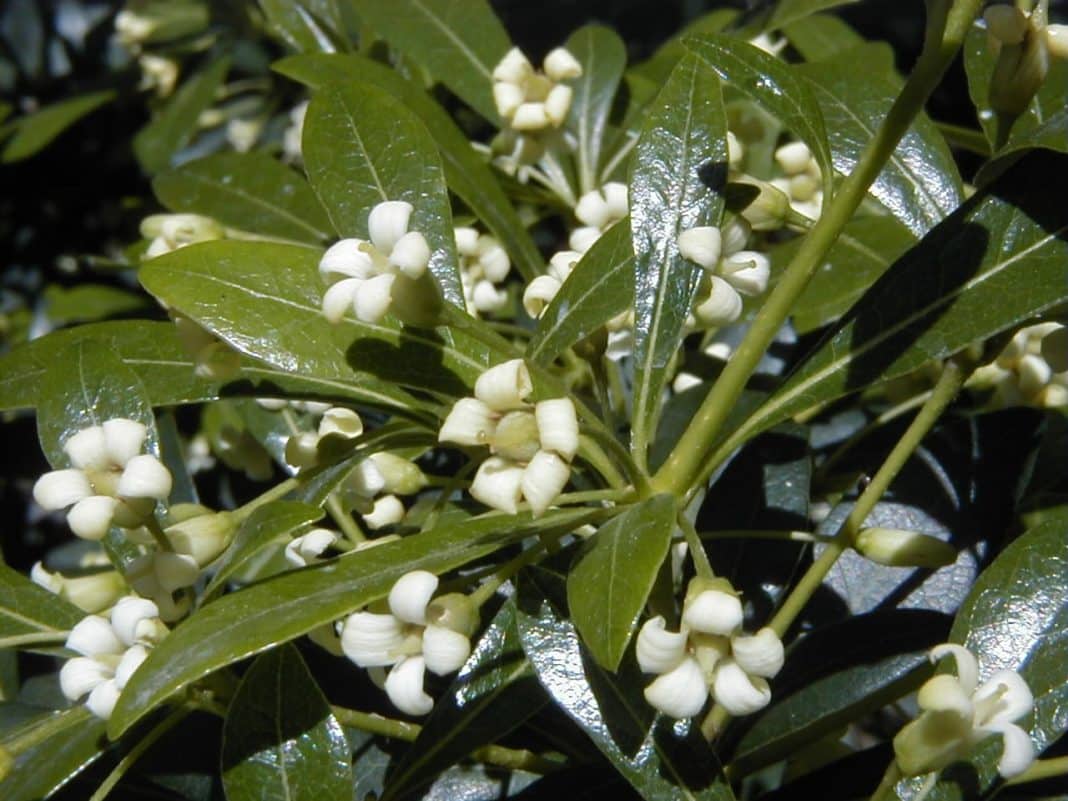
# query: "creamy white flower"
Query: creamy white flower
308,548
737,691
681,692
712,609
531,101
341,422
505,386
444,650
598,210
498,484
169,232
410,595
659,650
373,640
387,511
404,686
958,713
484,265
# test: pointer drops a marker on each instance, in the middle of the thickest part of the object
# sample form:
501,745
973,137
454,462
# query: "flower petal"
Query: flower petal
444,650
92,636
404,686
88,448
737,691
411,254
944,693
90,518
659,650
387,511
713,612
759,655
81,675
347,258
679,693
101,701
130,616
505,386
558,428
306,549
372,299
498,484
145,477
372,640
722,306
128,665
1018,751
410,595
338,298
470,422
967,667
1003,698
388,222
58,489
543,480
124,439
702,245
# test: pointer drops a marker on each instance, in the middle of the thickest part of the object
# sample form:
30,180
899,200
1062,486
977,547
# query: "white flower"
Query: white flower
308,548
110,481
387,511
730,271
958,713
169,232
1031,370
802,179
541,291
598,210
484,265
374,277
531,101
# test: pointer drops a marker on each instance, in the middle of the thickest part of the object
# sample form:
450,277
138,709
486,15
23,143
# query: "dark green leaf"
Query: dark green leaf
603,57
679,168
176,124
459,42
362,147
90,302
265,300
600,286
919,184
308,26
1049,135
67,742
992,264
280,740
284,607
787,11
26,608
263,527
611,579
35,131
661,763
466,174
773,85
821,36
494,693
250,191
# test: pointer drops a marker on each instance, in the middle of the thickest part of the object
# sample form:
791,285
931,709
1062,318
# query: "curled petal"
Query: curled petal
339,297
145,477
513,68
543,480
371,300
88,448
759,655
101,701
712,612
560,65
615,195
582,239
735,235
488,298
530,117
387,511
340,421
411,254
967,667
558,104
307,549
410,595
466,237
679,693
539,294
346,258
722,306
90,518
1018,752
372,640
93,636
747,271
944,693
128,665
1003,698
702,245
470,422
134,619
505,386
659,650
81,675
404,686
444,650
498,484
507,97
124,439
60,488
558,426
388,222
366,480
562,263
593,210
737,691
302,450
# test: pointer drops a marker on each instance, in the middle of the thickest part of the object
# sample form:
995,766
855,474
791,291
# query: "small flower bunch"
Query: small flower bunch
382,275
959,713
531,446
484,265
110,481
598,210
415,633
709,653
802,181
169,232
730,270
1031,370
531,101
111,651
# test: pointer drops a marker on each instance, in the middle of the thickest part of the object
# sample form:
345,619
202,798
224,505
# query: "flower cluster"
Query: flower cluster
1031,370
598,210
531,101
415,633
958,713
111,651
484,265
169,232
730,271
709,653
381,275
531,445
802,182
110,481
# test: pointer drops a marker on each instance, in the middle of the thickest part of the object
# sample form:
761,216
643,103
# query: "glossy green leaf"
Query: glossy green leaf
284,607
611,579
26,608
787,11
466,173
821,36
250,191
36,131
679,167
280,740
458,42
1049,135
600,286
176,123
773,85
919,184
86,303
992,264
663,762
362,147
266,525
865,249
979,62
308,26
265,300
66,743
603,57
494,693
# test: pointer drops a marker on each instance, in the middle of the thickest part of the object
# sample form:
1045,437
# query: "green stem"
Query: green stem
1042,769
158,535
344,520
595,456
34,638
965,138
139,748
687,466
697,549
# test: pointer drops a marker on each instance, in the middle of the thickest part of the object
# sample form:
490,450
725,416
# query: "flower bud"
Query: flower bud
762,205
454,611
1018,73
900,548
793,157
203,537
92,593
302,450
681,692
582,239
399,475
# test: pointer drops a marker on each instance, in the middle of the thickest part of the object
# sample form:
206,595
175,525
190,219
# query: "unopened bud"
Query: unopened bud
453,611
1018,74
900,548
401,476
203,537
762,205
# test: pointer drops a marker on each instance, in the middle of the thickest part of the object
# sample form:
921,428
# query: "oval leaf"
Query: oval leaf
603,57
66,743
35,131
26,608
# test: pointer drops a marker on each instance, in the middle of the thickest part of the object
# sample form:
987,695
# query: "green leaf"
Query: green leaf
772,85
655,70
600,286
678,171
308,26
919,184
494,693
992,264
263,527
362,147
466,173
979,62
250,191
284,607
66,743
865,249
788,11
26,608
821,36
265,300
90,302
661,764
280,740
1049,135
34,132
458,42
603,57
176,123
